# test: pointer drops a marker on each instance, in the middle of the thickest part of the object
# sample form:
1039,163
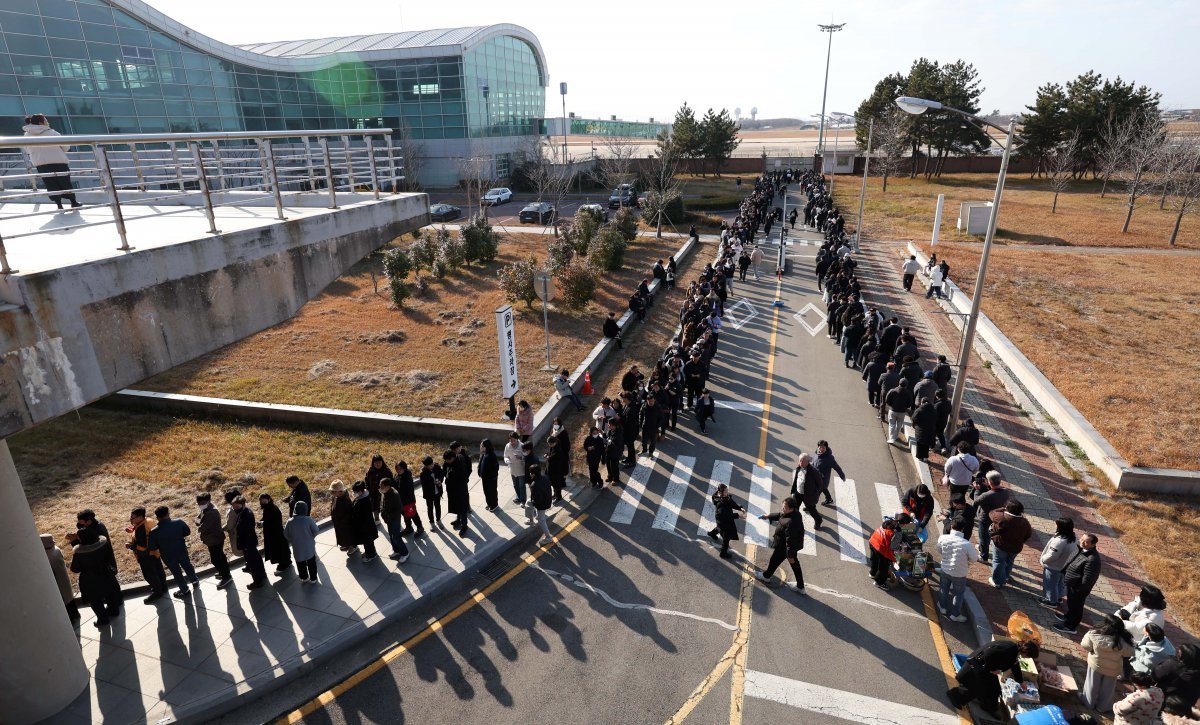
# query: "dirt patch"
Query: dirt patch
320,368
387,337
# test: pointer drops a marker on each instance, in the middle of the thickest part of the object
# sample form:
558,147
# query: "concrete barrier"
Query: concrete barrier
1097,448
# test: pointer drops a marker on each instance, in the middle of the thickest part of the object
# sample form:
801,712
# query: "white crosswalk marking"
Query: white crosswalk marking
850,524
708,517
759,504
677,488
633,491
889,498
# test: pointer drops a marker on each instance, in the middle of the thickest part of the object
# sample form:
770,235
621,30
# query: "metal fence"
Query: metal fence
193,170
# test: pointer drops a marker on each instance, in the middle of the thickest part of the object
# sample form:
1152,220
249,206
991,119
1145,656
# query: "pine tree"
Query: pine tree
720,135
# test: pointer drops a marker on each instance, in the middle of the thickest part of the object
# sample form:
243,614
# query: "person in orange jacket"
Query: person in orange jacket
882,553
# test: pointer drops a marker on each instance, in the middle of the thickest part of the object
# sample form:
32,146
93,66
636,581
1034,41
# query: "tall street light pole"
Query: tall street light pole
562,89
831,29
917,106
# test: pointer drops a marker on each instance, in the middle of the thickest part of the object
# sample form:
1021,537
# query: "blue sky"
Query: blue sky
643,59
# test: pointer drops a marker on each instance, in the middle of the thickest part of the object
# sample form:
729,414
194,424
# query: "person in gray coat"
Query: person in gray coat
62,578
926,388
302,531
212,535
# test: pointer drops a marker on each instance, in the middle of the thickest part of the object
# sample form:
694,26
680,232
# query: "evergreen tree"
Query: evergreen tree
686,141
720,136
1045,125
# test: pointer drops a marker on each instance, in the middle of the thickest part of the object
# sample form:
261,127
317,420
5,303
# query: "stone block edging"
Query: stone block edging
1097,448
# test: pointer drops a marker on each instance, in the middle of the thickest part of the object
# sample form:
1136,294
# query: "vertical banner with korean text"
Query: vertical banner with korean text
507,341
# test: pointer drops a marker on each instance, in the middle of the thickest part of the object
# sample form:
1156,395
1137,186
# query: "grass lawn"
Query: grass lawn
350,348
1110,333
905,212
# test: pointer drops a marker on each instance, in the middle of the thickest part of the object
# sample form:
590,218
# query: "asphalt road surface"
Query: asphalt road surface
632,618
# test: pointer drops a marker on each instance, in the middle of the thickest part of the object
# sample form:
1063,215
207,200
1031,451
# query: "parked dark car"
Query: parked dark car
596,210
538,213
623,195
444,212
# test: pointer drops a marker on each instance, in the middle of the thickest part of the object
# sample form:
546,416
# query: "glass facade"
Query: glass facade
94,69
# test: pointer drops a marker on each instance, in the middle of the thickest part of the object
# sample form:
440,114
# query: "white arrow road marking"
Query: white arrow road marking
840,704
810,307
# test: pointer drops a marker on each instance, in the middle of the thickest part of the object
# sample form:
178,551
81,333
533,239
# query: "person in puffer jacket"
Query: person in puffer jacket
956,556
50,162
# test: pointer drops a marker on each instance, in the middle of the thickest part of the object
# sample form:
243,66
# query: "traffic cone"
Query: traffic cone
587,383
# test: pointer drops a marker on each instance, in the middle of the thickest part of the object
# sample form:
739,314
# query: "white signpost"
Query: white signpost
543,284
937,219
507,341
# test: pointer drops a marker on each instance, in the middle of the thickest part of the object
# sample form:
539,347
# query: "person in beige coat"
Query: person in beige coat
1106,645
62,577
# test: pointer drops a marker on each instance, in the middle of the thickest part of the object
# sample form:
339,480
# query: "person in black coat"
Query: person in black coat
651,421
362,521
541,497
726,515
593,448
924,420
788,540
612,329
431,490
408,500
458,496
246,534
943,408
807,485
339,511
872,372
376,472
299,492
966,432
558,457
630,417
706,408
488,469
1081,574
977,679
275,544
613,443
92,561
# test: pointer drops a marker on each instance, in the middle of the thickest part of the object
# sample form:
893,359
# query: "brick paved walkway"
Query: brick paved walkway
1029,463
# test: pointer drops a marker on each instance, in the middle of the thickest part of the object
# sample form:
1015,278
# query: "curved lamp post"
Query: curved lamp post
917,106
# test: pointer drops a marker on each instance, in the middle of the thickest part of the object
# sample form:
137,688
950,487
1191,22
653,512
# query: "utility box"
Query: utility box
973,217
838,161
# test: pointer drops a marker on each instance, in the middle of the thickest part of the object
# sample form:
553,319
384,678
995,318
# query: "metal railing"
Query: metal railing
207,170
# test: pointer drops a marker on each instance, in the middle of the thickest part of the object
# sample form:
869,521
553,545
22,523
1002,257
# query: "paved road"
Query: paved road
633,616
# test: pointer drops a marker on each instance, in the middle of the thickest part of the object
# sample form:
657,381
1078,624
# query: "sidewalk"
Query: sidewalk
1030,466
195,658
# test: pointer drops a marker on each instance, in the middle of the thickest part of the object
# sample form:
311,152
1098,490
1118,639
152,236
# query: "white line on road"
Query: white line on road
759,504
889,498
861,600
848,706
633,491
570,579
850,525
677,488
739,405
708,517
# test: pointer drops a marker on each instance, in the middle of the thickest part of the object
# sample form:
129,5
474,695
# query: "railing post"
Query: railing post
106,180
312,173
178,168
137,167
349,164
220,185
392,164
267,154
4,268
374,168
202,178
328,172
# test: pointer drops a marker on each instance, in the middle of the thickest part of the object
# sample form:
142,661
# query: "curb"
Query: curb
219,703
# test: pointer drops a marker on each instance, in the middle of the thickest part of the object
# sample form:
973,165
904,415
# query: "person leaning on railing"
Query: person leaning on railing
50,162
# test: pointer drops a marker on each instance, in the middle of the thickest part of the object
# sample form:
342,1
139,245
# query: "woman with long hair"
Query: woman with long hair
1106,645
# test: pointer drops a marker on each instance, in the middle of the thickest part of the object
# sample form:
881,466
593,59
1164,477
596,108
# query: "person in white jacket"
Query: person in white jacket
515,458
50,161
1146,609
936,277
1055,557
956,556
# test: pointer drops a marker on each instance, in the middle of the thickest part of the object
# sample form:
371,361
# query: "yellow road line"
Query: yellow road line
943,652
327,697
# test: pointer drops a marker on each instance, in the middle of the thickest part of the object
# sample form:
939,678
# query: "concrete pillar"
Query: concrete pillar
41,667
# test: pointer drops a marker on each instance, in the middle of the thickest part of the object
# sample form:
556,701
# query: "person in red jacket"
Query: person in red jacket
882,555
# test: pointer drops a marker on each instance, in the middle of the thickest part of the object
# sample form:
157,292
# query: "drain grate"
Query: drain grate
493,571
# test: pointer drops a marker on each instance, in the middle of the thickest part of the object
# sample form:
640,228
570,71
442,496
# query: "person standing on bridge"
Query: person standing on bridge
50,161
788,541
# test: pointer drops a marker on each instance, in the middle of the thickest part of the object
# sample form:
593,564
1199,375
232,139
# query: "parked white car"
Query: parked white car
496,196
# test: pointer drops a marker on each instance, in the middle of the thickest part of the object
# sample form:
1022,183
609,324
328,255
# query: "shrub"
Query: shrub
425,250
672,211
399,290
516,280
723,202
576,284
451,251
397,263
560,256
480,241
626,222
607,251
581,231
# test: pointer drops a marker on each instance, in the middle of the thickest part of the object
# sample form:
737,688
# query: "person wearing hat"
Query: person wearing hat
339,511
362,522
1147,608
58,565
302,532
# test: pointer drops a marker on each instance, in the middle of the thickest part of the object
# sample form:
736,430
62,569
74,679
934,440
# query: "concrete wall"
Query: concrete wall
84,331
1099,451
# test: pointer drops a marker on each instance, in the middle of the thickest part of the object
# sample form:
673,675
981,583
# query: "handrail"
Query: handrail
121,139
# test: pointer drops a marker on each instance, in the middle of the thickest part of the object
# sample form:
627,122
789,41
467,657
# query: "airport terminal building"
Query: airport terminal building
120,66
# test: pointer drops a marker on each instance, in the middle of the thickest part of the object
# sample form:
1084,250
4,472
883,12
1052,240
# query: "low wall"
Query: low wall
1097,448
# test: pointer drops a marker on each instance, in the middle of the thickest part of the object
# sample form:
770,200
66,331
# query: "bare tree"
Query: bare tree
891,141
1143,156
664,185
1116,138
1185,183
1174,162
411,154
548,179
477,172
1060,166
615,165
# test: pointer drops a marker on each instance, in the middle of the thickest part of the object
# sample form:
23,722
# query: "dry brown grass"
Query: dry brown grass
350,348
906,212
112,462
1115,333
